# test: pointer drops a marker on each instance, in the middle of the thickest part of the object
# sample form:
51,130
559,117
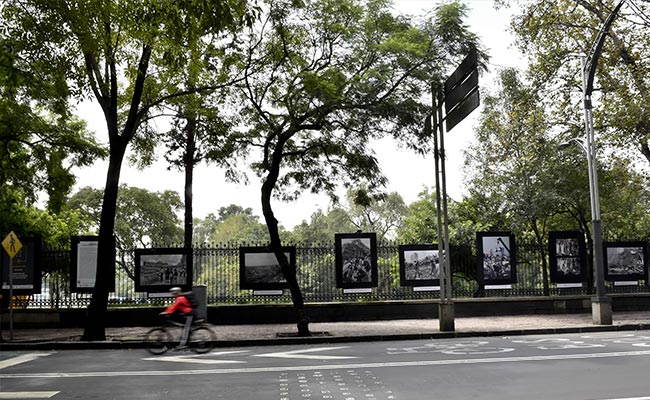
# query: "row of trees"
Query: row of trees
294,90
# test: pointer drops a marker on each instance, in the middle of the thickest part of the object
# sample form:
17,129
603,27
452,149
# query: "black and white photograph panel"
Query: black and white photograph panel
159,269
625,261
497,257
259,268
356,260
567,256
419,265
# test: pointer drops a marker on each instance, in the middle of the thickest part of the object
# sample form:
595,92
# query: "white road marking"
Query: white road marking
253,370
193,360
27,395
300,354
200,358
21,359
631,398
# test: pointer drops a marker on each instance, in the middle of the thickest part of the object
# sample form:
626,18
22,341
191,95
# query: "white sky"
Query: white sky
408,173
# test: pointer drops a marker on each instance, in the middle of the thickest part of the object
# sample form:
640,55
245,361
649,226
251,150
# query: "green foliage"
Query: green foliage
551,33
376,212
322,226
421,226
54,228
239,228
513,164
143,218
325,78
40,140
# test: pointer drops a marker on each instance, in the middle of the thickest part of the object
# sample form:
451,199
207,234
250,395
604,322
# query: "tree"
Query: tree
40,140
239,225
421,226
321,80
322,226
513,161
553,32
120,54
376,212
143,218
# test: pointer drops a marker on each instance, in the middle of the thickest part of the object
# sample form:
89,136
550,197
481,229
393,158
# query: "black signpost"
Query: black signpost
459,96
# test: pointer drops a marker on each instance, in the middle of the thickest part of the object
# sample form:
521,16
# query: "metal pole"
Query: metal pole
11,297
601,304
446,308
446,258
436,153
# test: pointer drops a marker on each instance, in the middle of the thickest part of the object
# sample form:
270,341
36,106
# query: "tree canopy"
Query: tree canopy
128,57
321,79
555,33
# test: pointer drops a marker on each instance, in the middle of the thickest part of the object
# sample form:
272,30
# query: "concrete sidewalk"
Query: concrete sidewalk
332,332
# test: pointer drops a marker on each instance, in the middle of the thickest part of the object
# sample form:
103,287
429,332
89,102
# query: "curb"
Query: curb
140,344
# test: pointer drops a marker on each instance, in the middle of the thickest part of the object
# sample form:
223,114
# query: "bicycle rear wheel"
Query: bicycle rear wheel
202,339
158,341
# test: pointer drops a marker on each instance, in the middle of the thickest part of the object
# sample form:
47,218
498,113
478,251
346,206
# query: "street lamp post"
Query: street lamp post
601,304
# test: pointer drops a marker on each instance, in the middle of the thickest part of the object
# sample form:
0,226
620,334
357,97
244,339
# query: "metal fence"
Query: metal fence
217,267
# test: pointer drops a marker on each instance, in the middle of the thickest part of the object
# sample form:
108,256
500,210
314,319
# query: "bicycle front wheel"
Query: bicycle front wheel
158,341
202,339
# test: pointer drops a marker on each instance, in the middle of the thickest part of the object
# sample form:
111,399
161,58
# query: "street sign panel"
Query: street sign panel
463,110
24,269
468,65
460,92
11,244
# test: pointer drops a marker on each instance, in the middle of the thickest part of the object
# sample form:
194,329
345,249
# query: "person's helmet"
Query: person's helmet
175,290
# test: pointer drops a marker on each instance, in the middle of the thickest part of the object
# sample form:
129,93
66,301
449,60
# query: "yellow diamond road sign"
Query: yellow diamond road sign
11,244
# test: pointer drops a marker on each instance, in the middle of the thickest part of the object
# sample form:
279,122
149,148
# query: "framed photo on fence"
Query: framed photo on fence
496,258
159,269
83,264
419,265
567,255
626,261
259,269
356,260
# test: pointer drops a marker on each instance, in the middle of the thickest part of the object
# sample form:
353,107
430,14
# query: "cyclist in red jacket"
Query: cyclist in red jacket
182,309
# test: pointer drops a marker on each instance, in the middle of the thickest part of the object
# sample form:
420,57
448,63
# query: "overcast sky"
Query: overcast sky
407,172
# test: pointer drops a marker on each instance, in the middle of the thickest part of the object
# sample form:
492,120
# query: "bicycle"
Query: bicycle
201,338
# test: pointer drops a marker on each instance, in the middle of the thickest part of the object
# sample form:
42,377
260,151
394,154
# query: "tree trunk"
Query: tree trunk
542,253
96,322
289,274
590,251
95,328
645,150
276,244
189,179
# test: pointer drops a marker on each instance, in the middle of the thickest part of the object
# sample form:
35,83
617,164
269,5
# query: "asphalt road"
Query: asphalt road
598,366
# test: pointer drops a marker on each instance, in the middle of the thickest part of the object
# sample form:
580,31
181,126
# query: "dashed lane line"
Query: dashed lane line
252,370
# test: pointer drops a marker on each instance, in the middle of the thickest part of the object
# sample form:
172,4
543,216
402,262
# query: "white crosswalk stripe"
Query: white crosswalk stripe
27,395
21,359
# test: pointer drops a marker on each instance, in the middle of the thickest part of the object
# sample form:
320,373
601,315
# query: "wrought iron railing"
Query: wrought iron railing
217,267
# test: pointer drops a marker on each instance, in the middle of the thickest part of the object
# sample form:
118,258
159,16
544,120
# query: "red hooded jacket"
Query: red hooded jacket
181,305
